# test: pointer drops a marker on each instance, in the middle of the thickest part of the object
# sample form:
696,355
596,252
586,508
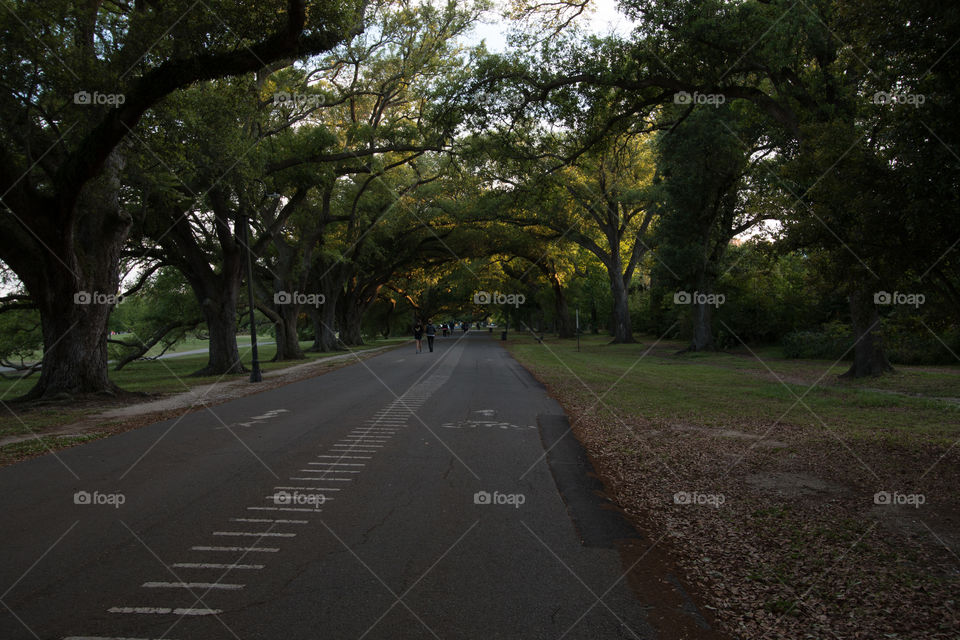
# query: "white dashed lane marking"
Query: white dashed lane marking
106,638
255,534
215,565
166,610
243,549
269,520
294,509
379,429
191,585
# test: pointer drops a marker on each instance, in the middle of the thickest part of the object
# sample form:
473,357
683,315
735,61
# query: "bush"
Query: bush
906,344
830,343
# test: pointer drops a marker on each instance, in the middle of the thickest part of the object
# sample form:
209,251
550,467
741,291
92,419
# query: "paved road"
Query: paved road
407,496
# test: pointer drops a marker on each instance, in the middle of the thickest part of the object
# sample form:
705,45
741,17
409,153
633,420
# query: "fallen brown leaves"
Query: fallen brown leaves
778,526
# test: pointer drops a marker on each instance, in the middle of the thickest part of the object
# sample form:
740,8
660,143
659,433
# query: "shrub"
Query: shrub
830,343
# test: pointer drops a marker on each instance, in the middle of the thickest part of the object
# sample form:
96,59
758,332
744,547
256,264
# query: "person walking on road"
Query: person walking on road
418,335
431,334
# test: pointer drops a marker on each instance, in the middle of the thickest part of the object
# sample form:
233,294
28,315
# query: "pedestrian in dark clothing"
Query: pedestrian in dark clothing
431,334
418,336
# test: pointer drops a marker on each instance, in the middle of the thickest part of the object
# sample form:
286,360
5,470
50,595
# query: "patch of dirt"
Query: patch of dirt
759,440
792,484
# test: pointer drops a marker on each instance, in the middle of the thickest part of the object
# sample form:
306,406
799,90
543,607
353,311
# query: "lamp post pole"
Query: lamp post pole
255,374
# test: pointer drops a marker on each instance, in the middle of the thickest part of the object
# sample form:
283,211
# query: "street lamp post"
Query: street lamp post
255,374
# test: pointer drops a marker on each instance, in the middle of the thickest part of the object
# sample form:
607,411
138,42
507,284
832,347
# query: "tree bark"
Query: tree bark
565,328
327,315
288,341
74,335
869,358
350,315
702,315
702,339
73,277
620,321
220,314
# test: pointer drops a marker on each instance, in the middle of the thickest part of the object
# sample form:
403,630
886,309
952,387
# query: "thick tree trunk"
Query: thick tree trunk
620,321
350,315
74,324
325,323
287,339
702,339
868,356
221,318
702,316
565,325
317,328
74,278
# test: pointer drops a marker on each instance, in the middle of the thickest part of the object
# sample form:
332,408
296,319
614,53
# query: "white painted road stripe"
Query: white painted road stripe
324,479
324,471
269,520
340,464
215,565
348,457
244,549
191,585
255,534
356,446
286,508
165,610
311,488
104,638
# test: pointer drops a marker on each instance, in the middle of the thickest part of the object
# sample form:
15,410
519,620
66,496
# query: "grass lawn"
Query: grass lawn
717,388
801,543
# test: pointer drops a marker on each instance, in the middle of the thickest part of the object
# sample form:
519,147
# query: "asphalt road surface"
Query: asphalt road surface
406,496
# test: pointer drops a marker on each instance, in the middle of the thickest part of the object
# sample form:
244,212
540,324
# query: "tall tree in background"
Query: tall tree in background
702,164
602,203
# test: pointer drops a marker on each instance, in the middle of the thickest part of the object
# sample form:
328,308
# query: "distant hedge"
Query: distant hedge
903,344
834,341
